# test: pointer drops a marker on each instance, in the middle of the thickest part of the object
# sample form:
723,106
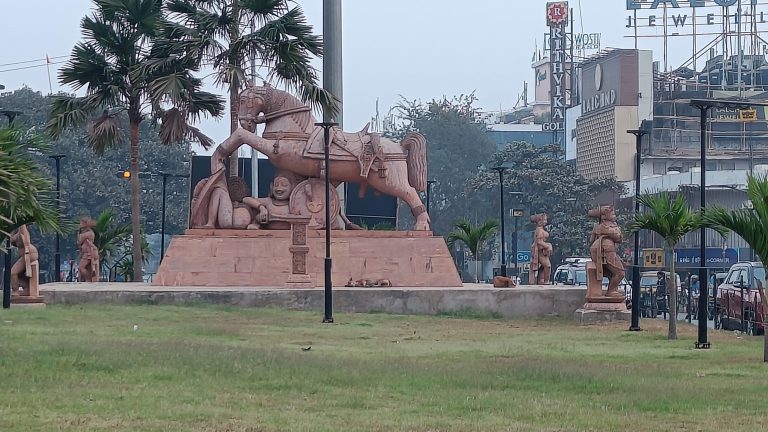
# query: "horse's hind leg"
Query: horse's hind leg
396,184
418,209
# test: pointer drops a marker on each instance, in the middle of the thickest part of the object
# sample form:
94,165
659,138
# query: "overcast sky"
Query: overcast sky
421,49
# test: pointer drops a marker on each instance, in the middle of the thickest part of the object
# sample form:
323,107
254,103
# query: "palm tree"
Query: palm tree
671,218
124,73
124,265
473,237
25,194
749,224
213,33
111,239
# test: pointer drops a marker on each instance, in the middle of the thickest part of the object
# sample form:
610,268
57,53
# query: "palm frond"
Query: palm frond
671,218
749,224
104,132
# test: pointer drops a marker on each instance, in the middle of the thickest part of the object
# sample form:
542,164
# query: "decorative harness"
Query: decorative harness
371,151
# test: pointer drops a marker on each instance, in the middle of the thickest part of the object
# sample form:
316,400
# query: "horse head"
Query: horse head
253,101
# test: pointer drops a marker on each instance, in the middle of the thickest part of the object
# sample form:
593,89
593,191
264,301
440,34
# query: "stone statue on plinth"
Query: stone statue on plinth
606,262
294,144
88,269
25,272
541,252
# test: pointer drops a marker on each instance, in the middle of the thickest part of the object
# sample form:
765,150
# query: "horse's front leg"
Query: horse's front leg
231,144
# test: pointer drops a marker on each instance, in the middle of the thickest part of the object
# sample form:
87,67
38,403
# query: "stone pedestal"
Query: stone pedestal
298,249
593,313
23,300
263,258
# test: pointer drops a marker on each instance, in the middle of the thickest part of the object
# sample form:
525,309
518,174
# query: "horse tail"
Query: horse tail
416,146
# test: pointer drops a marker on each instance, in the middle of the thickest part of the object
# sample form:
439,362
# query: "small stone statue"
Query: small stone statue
605,260
89,254
25,272
276,204
541,252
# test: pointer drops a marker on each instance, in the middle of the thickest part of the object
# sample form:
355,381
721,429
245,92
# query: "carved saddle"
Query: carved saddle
364,147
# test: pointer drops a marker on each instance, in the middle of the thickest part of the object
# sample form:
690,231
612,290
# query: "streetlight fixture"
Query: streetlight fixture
11,114
57,254
635,323
328,313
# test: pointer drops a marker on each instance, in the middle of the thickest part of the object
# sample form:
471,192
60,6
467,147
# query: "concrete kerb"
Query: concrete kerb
521,302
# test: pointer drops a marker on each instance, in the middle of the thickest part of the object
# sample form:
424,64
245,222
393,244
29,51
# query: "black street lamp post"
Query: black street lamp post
500,169
517,214
11,114
429,193
328,313
702,342
57,254
635,323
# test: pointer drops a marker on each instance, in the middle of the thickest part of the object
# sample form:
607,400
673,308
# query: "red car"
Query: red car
739,304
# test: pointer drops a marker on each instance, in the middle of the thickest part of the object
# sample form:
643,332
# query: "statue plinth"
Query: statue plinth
27,300
270,258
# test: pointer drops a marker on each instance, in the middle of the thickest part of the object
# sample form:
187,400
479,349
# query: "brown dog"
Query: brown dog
503,282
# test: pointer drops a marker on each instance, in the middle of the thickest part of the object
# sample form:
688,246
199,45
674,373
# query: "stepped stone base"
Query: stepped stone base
594,313
261,258
32,301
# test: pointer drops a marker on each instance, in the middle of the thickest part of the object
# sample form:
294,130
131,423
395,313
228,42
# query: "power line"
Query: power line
31,67
31,61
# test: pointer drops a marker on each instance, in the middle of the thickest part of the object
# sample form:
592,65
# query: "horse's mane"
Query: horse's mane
278,100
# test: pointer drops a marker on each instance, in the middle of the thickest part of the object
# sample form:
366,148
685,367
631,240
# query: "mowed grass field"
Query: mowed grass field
86,368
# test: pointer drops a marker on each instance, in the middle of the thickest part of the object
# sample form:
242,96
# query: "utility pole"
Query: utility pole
333,81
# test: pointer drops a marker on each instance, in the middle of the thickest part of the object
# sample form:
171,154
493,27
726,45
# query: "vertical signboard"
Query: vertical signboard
557,17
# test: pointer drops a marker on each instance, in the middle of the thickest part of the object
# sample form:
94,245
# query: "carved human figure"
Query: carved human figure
605,259
541,252
276,204
222,204
25,271
89,253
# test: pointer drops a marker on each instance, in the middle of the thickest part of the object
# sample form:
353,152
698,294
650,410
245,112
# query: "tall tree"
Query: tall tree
123,72
229,34
550,185
474,238
752,226
457,148
671,218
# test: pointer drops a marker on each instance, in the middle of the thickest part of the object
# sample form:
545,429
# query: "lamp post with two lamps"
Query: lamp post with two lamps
127,175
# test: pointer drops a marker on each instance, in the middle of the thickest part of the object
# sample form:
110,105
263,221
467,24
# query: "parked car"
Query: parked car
570,274
739,304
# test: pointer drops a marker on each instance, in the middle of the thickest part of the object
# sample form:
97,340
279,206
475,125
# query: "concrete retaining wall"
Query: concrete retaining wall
508,303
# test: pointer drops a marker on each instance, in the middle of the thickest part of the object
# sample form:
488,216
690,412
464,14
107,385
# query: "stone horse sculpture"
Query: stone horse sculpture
293,143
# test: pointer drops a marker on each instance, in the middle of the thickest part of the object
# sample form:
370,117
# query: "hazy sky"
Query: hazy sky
421,49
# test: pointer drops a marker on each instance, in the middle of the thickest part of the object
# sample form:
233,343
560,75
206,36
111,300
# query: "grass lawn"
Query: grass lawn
217,369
